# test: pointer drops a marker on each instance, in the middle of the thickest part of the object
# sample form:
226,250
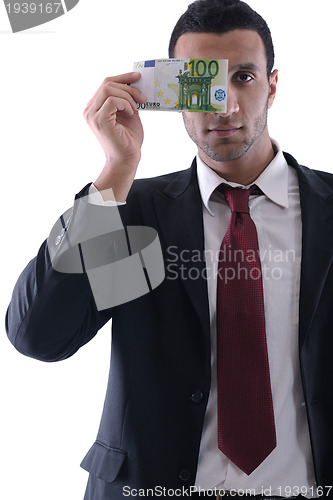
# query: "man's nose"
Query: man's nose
232,103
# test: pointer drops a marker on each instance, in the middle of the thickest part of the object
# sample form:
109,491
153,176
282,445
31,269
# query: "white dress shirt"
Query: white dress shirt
277,216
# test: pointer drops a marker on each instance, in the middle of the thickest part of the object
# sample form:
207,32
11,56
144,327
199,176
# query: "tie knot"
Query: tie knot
238,198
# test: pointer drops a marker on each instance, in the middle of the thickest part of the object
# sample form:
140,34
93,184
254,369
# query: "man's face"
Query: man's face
224,137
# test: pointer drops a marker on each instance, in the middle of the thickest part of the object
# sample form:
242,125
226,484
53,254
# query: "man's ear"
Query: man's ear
273,80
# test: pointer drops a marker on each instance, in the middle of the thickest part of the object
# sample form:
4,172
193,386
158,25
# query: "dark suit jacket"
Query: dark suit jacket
160,362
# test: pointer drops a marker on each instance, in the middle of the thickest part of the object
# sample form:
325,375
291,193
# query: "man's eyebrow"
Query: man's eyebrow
246,66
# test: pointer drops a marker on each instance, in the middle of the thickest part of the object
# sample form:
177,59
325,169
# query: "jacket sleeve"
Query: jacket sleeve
90,264
53,312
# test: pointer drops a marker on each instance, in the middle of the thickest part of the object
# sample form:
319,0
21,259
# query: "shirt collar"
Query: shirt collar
273,181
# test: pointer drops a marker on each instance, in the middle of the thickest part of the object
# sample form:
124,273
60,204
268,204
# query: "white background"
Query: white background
50,412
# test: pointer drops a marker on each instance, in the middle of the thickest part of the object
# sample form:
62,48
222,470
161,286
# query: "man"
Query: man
162,425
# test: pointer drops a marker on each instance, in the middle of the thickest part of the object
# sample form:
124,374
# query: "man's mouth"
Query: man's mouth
225,131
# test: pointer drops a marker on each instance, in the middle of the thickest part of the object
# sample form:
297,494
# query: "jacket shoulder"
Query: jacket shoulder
317,179
325,176
158,183
171,185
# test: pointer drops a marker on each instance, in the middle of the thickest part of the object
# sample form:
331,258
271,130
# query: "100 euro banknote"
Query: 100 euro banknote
183,84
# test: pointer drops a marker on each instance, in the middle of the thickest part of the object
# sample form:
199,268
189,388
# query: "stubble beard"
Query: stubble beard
229,151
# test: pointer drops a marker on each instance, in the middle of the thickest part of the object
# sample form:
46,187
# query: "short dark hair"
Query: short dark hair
222,16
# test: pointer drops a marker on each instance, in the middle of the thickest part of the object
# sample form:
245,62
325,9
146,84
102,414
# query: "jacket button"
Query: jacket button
197,396
184,475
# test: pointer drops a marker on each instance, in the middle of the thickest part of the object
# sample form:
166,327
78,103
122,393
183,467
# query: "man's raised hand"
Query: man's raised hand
113,117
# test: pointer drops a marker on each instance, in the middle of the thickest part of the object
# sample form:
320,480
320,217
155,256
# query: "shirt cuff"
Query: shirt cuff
95,198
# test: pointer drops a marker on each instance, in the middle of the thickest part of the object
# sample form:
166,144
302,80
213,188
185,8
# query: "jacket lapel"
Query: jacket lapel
179,213
317,241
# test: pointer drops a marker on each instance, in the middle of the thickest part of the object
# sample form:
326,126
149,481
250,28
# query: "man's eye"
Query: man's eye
244,77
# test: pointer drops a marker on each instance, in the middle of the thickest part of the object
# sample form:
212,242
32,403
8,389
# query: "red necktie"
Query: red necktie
246,428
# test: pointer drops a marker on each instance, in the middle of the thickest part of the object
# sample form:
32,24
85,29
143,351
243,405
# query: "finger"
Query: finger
125,79
116,90
114,99
111,108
